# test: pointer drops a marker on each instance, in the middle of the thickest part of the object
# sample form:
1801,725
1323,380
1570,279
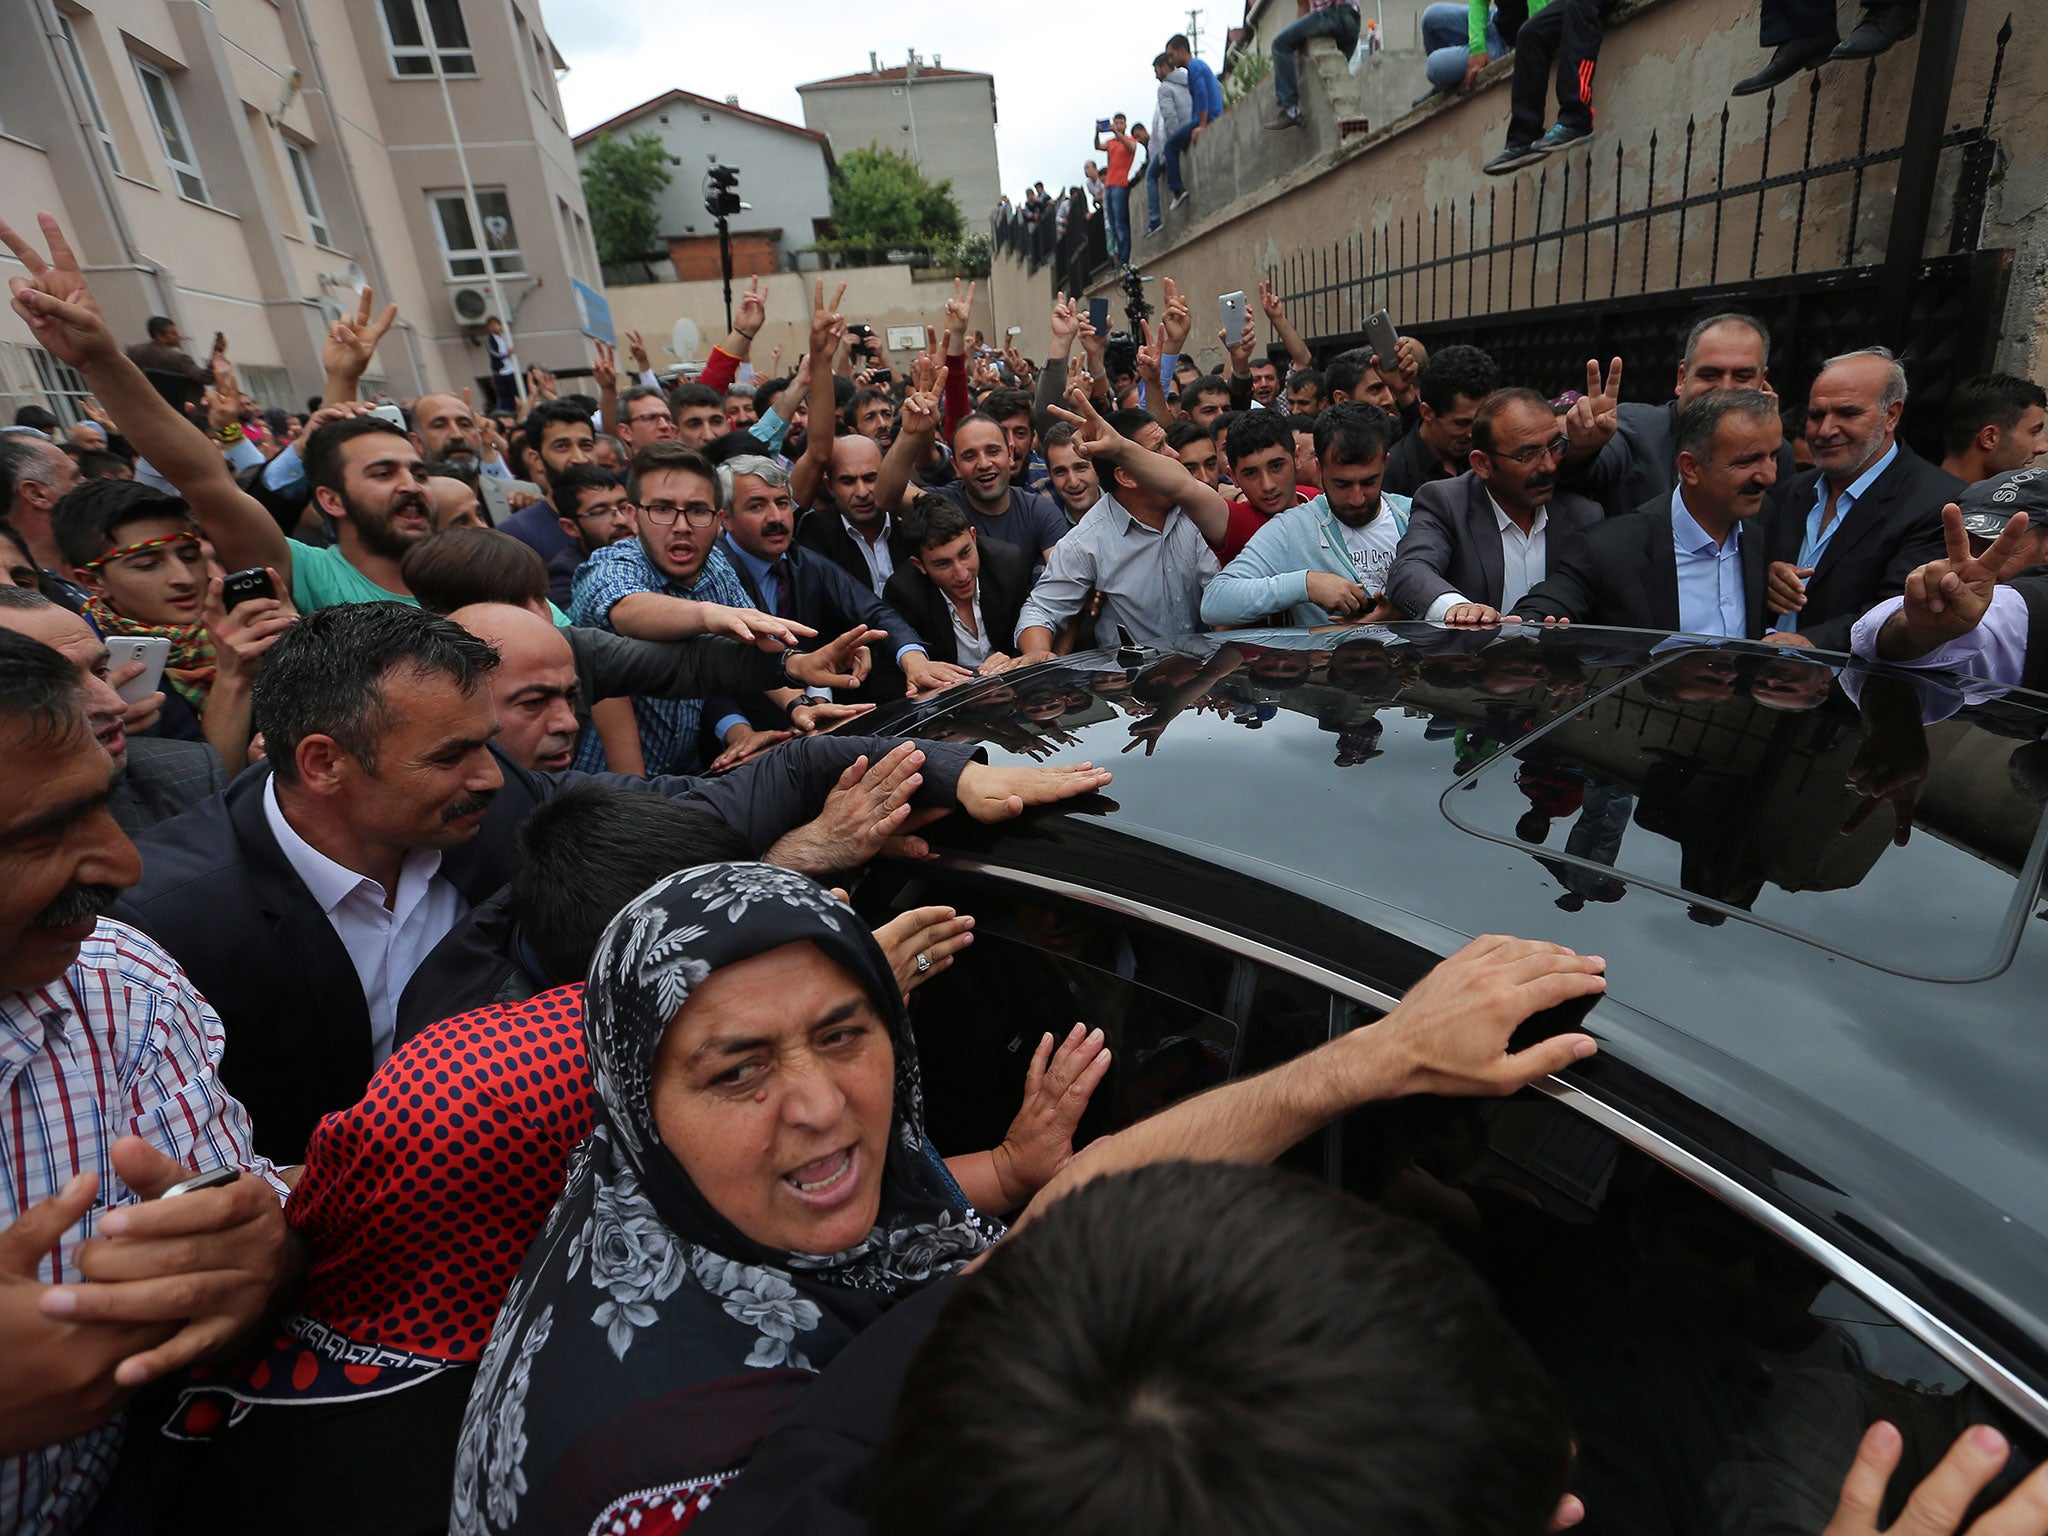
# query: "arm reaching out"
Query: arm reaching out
1155,472
809,472
1276,314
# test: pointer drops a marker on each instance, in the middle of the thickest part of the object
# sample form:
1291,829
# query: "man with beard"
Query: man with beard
872,414
303,898
1851,530
154,778
1327,560
558,437
1685,563
857,533
1205,400
1477,544
740,410
114,1096
445,430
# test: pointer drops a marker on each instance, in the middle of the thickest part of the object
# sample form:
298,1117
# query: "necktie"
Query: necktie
785,583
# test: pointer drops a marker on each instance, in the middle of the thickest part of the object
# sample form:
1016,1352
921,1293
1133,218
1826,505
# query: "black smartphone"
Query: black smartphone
1380,336
243,585
1098,316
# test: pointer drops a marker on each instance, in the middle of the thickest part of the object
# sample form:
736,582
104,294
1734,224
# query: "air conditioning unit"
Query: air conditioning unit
472,305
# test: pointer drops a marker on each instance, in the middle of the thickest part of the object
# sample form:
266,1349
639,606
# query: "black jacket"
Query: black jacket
218,893
1624,572
832,602
1453,543
824,531
1640,462
1005,583
1893,527
1412,464
164,779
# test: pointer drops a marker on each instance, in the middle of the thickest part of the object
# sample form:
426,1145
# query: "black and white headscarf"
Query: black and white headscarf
647,1346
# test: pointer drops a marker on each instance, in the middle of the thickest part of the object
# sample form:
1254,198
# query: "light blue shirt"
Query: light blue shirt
1711,598
1815,542
771,594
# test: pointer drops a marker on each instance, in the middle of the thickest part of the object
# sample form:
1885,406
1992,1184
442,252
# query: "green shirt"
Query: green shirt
321,578
1477,29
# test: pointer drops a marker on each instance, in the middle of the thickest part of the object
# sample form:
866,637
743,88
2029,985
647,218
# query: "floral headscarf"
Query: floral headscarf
647,1346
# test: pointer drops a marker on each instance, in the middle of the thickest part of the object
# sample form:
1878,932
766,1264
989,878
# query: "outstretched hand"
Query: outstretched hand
1450,1033
351,344
1944,1498
989,793
55,301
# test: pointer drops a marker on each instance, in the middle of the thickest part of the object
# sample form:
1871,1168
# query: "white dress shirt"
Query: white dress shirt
1523,561
385,943
881,563
972,646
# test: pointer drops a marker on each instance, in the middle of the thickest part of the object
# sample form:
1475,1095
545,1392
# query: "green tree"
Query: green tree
880,198
620,183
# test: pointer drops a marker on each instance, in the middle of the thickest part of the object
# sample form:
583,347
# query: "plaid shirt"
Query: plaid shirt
669,728
119,1045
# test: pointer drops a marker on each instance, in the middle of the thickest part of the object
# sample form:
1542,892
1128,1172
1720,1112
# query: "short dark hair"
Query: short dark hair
583,854
640,392
1989,400
981,416
158,325
325,675
1255,431
932,520
41,701
102,464
1355,432
764,394
36,418
694,394
863,399
1208,1347
1491,407
545,415
1301,376
1156,62
1207,384
86,517
460,566
1301,421
1179,40
1342,372
1262,360
1700,421
669,454
1003,404
1181,433
321,451
1453,371
567,489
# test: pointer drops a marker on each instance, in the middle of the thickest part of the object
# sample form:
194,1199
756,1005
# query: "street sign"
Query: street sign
593,312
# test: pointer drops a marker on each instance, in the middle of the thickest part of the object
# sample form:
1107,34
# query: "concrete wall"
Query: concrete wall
877,296
1260,197
782,173
947,123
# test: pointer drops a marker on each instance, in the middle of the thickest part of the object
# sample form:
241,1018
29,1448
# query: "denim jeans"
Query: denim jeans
1445,38
1339,22
1154,166
1176,146
1116,206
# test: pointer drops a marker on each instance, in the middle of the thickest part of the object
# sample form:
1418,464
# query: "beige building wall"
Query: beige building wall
943,119
258,91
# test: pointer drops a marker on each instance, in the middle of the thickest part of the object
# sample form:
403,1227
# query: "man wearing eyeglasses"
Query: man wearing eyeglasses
644,417
594,510
1476,544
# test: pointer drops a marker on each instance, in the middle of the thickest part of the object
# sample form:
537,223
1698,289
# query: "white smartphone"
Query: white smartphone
152,652
496,493
1233,316
390,413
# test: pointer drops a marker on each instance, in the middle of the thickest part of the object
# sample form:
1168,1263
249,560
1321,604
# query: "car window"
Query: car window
1719,1380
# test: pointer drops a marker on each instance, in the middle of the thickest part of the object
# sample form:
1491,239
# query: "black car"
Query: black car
1803,1185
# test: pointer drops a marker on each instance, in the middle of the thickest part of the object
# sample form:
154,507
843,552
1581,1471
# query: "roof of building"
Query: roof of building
690,98
897,76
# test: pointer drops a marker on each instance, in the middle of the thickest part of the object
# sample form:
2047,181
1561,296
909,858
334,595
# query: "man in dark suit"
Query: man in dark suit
303,899
1850,531
961,595
783,578
1476,544
1685,563
856,532
1624,454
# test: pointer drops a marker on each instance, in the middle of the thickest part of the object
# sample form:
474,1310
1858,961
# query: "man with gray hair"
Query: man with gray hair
1623,455
34,475
1850,531
758,538
1684,562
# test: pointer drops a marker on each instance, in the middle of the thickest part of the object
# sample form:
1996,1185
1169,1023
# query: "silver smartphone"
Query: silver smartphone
152,651
199,1181
1232,305
496,494
1380,336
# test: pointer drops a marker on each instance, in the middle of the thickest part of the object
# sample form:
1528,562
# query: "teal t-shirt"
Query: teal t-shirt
321,578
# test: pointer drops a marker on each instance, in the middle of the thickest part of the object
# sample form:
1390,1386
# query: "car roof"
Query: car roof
1870,1013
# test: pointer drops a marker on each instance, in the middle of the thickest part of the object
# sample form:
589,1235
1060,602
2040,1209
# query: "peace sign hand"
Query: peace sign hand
958,309
826,324
1595,416
1948,598
1092,435
604,371
752,313
1175,320
350,346
56,301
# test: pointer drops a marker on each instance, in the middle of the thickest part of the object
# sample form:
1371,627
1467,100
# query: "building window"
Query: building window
409,23
170,130
469,239
309,195
62,384
92,91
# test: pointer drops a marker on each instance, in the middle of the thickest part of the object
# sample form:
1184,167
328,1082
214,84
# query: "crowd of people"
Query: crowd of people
405,1025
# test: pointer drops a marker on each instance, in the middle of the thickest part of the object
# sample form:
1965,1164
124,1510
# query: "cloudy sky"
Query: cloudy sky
1058,64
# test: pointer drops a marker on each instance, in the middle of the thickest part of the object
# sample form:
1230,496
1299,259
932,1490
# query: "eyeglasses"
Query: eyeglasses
645,417
1556,448
611,511
663,513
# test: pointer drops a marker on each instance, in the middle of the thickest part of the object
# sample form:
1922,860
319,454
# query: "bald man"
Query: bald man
455,505
856,533
445,429
534,688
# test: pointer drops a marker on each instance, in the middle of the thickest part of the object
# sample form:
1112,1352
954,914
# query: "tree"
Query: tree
620,183
880,198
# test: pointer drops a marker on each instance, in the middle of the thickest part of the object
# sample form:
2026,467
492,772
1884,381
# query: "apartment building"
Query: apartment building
944,119
244,166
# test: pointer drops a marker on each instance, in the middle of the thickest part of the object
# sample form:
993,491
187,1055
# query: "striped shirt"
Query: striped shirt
119,1045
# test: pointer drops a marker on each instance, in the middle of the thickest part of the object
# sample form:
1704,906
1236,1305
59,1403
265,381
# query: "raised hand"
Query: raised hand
1175,320
604,370
1595,416
56,302
959,310
1149,353
763,631
752,312
1269,303
1241,350
350,345
1092,434
243,634
839,663
1066,322
638,348
1948,598
1057,1087
826,325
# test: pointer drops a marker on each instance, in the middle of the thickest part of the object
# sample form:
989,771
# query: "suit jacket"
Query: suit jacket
832,602
1893,527
1412,464
218,893
1005,583
164,778
824,531
1453,543
1624,572
1640,462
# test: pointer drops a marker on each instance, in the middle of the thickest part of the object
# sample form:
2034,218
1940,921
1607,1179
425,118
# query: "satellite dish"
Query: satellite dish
684,340
352,276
